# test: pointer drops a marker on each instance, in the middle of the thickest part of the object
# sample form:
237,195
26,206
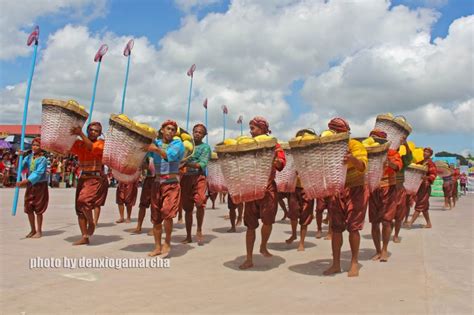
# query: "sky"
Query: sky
296,62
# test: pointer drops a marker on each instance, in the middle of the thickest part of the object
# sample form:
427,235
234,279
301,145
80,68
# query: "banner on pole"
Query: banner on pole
101,52
191,71
128,48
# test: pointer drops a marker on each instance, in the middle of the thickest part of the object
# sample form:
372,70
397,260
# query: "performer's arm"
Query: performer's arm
78,132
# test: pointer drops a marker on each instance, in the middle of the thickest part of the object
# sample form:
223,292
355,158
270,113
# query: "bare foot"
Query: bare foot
91,229
29,235
37,235
328,237
128,220
376,257
332,270
155,252
383,256
226,217
246,265
405,224
319,234
301,247
427,226
199,238
290,240
409,225
265,252
150,233
137,231
396,239
231,230
165,252
187,240
354,271
82,241
180,221
239,222
121,220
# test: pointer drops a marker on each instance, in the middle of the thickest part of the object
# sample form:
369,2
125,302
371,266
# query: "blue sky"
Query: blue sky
156,19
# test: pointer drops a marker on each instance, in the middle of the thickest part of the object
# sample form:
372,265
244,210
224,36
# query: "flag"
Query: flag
33,36
128,48
101,52
205,103
224,109
191,71
239,121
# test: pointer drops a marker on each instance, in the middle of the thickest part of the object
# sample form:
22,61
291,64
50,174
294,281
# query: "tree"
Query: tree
462,159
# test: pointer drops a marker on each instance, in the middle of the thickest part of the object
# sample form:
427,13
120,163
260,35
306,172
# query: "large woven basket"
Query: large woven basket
395,127
57,119
215,178
320,164
124,148
377,156
413,178
442,169
286,179
247,168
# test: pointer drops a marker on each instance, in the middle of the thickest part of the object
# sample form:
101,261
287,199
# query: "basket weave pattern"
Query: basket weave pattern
394,132
123,151
321,168
246,173
375,169
286,179
413,180
215,178
56,124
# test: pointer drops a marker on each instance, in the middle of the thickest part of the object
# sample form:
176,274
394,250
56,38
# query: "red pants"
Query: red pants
423,197
193,191
448,189
383,204
299,208
455,189
264,209
403,203
89,194
36,198
348,209
165,200
145,196
104,191
126,194
321,204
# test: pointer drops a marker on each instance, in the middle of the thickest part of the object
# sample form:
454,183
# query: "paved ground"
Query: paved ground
429,272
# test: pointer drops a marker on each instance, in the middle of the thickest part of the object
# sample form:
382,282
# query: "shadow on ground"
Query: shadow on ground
223,230
317,267
260,263
283,247
96,240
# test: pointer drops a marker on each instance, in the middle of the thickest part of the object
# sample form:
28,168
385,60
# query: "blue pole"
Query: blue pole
23,129
125,84
189,103
93,92
205,120
224,128
241,129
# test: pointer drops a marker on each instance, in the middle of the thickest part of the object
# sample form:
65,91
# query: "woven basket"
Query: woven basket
57,120
124,148
395,127
247,168
413,178
377,156
215,178
442,169
286,179
320,165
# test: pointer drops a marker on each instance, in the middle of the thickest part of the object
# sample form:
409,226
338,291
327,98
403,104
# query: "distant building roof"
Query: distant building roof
16,130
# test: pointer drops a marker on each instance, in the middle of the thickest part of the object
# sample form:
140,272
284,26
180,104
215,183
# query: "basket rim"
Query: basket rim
245,147
130,126
384,145
418,167
284,145
319,140
399,122
71,105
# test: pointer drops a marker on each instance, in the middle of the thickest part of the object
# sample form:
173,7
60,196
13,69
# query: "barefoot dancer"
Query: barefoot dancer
349,207
194,184
167,153
265,208
233,216
36,195
126,196
423,195
89,191
448,191
321,204
402,197
281,202
145,196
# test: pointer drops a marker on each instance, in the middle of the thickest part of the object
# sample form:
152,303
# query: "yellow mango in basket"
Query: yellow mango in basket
411,145
247,140
299,138
308,136
262,138
188,145
230,141
186,137
418,155
177,138
368,141
82,107
242,137
375,144
390,114
402,151
213,155
124,117
178,132
327,133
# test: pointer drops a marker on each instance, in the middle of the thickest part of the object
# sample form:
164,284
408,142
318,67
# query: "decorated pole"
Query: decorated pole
190,73
33,38
205,118
98,58
239,121
127,52
225,111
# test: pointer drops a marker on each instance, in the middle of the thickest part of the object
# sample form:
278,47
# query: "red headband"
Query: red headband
339,125
169,122
37,140
261,123
378,133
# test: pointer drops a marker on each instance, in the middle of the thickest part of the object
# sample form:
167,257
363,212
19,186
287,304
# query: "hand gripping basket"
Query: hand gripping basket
377,155
413,178
247,168
320,164
57,119
124,148
395,127
286,179
215,178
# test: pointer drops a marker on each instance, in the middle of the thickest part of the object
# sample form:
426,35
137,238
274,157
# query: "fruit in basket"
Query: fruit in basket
418,155
368,142
389,114
375,144
188,145
242,137
308,136
245,141
261,138
213,155
177,138
230,141
178,132
328,133
186,137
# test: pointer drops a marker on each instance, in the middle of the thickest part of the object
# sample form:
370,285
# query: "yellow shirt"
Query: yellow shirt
354,177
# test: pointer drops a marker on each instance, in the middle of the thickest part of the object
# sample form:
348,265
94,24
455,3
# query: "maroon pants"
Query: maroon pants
383,204
126,194
104,190
145,196
165,199
348,209
403,203
455,189
36,198
300,208
448,189
89,194
264,209
193,191
422,202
